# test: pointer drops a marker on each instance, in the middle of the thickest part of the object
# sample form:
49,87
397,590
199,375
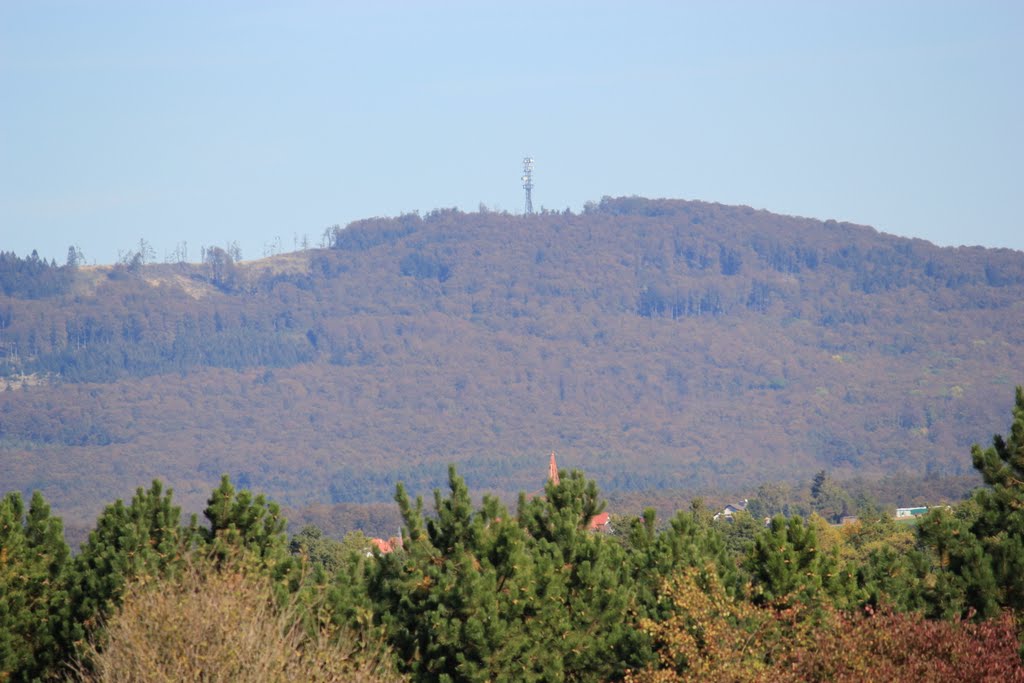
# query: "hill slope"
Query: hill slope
657,344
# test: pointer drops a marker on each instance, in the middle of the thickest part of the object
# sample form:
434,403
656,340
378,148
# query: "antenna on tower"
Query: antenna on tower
528,182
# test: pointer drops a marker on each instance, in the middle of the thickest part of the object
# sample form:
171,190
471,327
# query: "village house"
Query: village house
729,510
390,545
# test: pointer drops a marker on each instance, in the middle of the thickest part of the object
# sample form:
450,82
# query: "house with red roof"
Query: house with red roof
601,522
389,546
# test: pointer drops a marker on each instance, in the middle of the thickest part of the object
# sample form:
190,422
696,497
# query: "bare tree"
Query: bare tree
146,252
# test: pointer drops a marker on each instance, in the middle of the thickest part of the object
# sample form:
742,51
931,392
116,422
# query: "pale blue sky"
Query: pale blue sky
208,122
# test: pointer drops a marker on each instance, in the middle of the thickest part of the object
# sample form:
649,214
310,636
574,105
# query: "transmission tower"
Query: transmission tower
528,182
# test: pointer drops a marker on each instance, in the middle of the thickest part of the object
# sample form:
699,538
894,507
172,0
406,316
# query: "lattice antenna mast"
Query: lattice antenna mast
528,182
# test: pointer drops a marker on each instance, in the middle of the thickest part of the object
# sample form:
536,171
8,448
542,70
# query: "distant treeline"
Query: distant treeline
32,277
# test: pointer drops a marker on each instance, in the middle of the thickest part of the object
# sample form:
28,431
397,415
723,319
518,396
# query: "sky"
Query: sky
196,124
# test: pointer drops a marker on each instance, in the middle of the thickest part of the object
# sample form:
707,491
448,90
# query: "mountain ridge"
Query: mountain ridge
657,344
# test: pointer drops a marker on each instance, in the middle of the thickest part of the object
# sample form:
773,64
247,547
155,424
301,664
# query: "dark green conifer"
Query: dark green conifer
976,550
457,600
244,520
896,578
788,568
142,540
33,556
477,594
687,542
999,526
593,630
961,576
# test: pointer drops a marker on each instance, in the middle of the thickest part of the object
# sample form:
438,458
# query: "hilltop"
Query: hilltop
660,345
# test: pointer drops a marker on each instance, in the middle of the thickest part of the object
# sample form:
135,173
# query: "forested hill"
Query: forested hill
656,344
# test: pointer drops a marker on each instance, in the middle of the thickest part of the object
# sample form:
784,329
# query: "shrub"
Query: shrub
710,635
225,625
887,646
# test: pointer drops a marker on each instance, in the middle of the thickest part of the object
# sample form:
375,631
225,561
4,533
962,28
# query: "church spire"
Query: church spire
553,470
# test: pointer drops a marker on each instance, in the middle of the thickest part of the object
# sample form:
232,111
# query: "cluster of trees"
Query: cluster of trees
480,593
148,595
130,331
833,500
33,277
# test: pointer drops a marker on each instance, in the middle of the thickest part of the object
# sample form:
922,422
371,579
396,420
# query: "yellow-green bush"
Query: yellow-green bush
224,624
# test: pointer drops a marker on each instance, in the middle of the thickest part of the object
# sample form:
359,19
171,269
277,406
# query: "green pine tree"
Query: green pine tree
896,578
143,540
477,594
961,576
594,630
999,526
976,550
33,556
241,522
687,542
788,568
457,601
738,533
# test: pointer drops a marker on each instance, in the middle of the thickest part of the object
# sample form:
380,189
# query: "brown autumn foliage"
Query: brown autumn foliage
225,625
889,646
662,346
711,636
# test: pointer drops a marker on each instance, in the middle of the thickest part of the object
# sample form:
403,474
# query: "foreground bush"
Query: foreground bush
224,625
887,646
711,636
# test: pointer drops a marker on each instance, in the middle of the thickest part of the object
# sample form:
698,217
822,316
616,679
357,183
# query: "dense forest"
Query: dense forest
477,592
667,348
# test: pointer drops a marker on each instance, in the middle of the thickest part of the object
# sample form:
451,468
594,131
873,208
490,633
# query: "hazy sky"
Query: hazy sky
256,122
